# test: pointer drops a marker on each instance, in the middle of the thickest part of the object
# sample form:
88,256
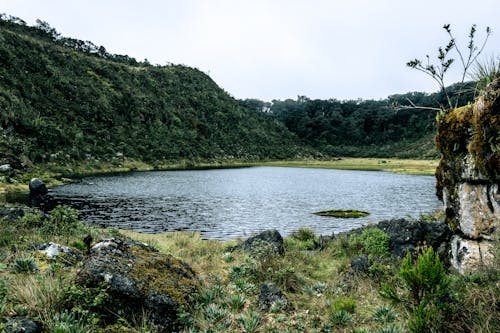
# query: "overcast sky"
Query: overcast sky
277,49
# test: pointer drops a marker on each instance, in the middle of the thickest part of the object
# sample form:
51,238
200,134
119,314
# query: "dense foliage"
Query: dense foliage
365,128
62,98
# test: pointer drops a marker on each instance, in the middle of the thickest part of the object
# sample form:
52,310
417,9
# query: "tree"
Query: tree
437,71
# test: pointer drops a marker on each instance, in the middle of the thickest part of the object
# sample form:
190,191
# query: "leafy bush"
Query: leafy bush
375,242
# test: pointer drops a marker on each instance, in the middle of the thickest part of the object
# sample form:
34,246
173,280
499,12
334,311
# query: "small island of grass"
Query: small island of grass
341,213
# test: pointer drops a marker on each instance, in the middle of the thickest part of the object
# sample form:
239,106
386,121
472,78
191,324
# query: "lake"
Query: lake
232,203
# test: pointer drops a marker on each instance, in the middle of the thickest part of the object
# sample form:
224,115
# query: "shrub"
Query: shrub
427,284
62,220
375,242
236,301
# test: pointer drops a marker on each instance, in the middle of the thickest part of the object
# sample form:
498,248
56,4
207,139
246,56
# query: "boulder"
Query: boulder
60,253
22,325
11,214
271,295
5,168
407,235
38,192
269,242
360,264
139,278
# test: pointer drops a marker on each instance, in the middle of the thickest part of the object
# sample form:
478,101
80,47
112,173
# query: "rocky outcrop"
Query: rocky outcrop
269,242
139,278
468,178
407,235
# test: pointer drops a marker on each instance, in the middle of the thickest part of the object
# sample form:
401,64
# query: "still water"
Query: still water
232,203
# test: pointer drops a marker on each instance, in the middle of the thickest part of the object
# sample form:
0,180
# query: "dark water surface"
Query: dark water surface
231,203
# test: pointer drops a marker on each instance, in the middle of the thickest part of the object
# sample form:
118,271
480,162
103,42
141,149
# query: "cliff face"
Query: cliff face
468,179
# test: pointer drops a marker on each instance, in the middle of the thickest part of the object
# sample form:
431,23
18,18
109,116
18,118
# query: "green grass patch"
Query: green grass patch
341,213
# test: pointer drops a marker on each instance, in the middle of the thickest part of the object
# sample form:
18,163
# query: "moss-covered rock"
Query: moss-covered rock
468,173
139,278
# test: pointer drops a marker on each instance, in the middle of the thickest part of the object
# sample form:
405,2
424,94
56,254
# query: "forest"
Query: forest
64,99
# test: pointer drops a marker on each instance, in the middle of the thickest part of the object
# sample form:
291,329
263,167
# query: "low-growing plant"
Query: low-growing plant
215,313
236,301
340,318
66,322
250,322
24,265
384,315
343,304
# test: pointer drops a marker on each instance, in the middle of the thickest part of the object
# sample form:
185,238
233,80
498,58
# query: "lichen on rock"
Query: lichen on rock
139,278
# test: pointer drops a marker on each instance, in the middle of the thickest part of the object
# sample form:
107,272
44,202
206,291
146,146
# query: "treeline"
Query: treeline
365,128
60,102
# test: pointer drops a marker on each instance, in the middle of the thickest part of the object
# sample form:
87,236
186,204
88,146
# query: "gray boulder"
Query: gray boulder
5,168
139,278
270,295
22,325
269,242
407,235
38,192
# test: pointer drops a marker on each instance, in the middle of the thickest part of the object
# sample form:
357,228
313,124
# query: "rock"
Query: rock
406,235
469,255
37,187
140,278
38,192
11,214
479,213
5,168
468,177
61,253
22,325
269,242
360,264
270,295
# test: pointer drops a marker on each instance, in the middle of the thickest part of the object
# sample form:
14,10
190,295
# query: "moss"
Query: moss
340,213
485,144
162,273
453,132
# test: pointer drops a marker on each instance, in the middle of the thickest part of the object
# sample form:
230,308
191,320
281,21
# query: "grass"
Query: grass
341,213
323,293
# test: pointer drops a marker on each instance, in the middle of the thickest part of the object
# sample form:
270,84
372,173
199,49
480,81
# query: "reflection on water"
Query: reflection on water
231,203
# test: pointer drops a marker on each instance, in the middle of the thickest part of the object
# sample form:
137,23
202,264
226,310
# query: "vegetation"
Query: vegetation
324,294
365,128
438,70
341,213
62,99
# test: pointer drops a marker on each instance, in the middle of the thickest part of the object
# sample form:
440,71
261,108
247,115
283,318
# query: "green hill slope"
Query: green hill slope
62,98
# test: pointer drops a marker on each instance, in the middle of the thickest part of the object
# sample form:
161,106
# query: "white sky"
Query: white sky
277,49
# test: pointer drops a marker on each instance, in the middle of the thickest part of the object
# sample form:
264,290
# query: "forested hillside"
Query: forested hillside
66,99
366,128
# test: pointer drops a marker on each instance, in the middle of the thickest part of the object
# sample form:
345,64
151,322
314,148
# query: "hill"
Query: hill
66,99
